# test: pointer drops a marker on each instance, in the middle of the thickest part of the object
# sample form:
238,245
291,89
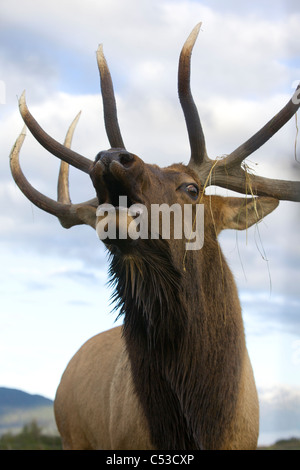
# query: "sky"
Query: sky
245,66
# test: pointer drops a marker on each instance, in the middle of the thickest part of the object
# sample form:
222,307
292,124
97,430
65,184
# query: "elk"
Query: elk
176,374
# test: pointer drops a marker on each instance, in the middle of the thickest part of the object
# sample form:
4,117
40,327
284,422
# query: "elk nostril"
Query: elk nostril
107,157
126,159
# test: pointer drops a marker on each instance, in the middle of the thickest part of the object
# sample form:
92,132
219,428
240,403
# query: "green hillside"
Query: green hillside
30,438
18,408
284,444
10,397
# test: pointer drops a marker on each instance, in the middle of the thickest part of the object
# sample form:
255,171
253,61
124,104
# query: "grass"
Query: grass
284,444
30,438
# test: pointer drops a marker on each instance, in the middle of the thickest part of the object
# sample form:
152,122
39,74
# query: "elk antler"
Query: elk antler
57,149
68,214
194,128
109,103
227,172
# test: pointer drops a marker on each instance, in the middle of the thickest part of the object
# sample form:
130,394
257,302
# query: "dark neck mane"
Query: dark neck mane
184,358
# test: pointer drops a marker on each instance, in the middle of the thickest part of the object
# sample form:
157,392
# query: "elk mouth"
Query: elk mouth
115,223
116,175
117,193
117,188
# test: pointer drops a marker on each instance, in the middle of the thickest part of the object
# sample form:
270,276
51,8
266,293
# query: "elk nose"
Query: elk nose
121,156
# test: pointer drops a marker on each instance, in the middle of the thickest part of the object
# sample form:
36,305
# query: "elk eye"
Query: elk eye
192,190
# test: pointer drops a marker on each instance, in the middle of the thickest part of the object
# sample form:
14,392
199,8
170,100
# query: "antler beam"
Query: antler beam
228,173
265,133
57,149
68,214
244,182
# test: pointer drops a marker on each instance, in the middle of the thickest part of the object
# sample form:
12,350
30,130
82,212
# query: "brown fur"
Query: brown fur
177,374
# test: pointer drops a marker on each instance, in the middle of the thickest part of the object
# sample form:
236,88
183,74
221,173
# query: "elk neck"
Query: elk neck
184,336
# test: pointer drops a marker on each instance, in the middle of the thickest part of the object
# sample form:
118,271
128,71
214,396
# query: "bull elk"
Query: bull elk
176,374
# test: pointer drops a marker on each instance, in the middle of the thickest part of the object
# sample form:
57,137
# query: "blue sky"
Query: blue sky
53,281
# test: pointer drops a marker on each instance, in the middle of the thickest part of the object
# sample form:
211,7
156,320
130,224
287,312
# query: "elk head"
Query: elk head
117,172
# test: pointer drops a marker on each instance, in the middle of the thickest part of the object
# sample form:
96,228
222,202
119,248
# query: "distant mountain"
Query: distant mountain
10,397
18,408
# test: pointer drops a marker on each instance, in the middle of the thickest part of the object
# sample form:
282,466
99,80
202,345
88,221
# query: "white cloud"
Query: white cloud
279,413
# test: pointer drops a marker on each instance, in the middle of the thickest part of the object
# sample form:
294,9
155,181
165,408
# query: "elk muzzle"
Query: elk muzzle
118,177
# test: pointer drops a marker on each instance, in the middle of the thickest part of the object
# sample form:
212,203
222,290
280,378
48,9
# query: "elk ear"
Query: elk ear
240,213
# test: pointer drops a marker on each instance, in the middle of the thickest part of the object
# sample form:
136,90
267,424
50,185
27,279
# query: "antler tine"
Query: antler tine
194,128
228,173
109,103
39,199
63,194
265,133
68,214
54,147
